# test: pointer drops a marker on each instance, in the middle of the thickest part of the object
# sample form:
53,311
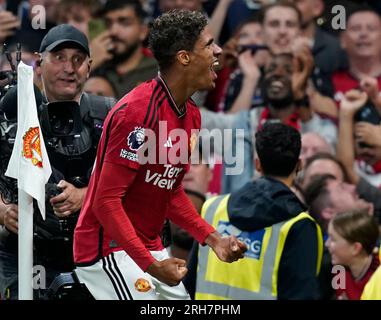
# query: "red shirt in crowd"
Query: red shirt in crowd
344,81
354,288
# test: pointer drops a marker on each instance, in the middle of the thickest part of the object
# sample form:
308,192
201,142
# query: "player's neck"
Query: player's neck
177,85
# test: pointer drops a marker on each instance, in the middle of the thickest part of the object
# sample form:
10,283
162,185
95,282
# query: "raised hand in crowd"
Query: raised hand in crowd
318,103
101,48
247,61
218,17
248,64
370,86
69,200
303,63
8,24
353,100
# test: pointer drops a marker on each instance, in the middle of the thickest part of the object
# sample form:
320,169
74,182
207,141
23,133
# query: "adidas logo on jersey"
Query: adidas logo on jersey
168,144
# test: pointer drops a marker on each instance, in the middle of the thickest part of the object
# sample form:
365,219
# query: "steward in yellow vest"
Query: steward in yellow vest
285,243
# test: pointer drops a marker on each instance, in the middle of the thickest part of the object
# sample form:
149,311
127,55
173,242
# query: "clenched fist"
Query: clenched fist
170,271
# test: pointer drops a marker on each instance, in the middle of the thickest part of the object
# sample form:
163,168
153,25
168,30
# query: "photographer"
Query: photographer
71,122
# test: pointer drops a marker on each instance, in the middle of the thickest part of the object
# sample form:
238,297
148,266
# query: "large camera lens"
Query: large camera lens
61,123
61,119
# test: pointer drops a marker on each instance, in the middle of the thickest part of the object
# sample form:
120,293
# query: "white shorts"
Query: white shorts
118,277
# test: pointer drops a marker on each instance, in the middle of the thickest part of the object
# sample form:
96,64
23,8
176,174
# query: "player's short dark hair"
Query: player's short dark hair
278,148
281,3
112,5
174,31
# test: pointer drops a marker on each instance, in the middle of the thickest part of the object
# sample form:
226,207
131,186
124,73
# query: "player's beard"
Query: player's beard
124,56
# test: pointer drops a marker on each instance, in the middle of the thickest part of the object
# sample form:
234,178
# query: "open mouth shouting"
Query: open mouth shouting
215,66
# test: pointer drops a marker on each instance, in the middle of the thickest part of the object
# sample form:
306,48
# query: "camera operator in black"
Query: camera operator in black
71,123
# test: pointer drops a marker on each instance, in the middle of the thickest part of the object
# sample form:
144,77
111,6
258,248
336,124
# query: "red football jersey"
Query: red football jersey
144,125
344,81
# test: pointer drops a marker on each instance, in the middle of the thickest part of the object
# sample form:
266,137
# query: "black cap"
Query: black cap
64,33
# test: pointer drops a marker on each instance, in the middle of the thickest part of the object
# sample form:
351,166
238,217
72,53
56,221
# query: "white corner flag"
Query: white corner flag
29,164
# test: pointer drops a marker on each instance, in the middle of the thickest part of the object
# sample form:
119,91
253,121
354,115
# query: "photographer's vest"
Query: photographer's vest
75,165
53,239
256,276
78,158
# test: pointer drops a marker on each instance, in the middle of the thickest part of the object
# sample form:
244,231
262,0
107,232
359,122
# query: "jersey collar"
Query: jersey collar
180,112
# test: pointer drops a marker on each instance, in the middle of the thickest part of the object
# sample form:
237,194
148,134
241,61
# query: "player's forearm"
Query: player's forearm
183,213
213,239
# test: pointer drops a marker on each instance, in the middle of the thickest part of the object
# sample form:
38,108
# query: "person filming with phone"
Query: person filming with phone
247,53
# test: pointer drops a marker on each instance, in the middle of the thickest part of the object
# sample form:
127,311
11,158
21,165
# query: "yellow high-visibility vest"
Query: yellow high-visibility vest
254,277
372,290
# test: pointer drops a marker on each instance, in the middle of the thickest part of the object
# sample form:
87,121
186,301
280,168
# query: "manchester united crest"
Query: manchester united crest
142,285
32,146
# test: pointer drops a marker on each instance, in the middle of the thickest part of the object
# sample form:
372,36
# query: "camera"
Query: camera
8,82
8,78
61,118
67,224
52,190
